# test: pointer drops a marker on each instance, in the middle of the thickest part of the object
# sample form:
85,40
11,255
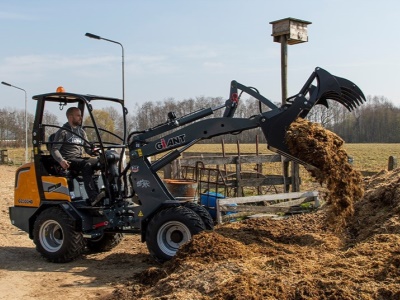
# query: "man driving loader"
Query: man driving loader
67,150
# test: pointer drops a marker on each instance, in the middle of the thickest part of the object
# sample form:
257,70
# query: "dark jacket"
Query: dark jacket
69,143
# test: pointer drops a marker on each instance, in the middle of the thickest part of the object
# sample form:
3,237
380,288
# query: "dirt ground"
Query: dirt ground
304,256
25,275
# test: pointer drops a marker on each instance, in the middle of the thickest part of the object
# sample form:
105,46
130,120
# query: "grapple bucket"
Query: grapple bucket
326,87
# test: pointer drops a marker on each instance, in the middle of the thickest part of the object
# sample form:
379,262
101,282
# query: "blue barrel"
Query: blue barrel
209,200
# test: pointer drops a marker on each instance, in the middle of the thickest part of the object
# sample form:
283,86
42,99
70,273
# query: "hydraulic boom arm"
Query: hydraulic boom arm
274,124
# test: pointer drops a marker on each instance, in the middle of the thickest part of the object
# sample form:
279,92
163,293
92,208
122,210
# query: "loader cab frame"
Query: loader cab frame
101,138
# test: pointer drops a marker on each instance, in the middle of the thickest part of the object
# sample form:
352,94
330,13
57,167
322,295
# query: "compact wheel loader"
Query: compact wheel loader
50,204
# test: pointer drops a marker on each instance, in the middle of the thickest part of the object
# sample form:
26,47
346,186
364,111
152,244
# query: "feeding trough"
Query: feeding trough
182,189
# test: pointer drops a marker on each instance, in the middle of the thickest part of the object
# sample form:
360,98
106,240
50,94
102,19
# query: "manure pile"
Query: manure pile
323,149
300,257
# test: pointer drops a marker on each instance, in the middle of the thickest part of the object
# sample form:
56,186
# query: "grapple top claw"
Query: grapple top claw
338,89
327,87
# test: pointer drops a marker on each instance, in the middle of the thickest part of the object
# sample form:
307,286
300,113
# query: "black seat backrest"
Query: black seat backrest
48,162
51,167
49,145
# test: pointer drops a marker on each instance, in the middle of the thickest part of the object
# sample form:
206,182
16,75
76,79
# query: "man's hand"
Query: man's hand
96,151
64,164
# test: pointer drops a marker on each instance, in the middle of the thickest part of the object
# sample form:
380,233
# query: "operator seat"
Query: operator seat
50,142
53,168
51,165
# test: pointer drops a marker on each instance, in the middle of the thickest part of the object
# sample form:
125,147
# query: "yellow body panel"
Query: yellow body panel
26,192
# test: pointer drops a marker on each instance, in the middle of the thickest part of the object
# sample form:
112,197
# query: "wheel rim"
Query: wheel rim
171,235
51,236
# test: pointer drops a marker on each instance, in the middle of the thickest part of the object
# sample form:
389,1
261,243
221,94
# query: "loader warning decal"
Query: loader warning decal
51,187
176,140
140,214
143,183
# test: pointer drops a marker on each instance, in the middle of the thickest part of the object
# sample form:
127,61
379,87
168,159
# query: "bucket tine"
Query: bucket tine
333,96
351,90
344,99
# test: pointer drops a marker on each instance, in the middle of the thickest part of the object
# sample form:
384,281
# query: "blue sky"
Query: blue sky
185,48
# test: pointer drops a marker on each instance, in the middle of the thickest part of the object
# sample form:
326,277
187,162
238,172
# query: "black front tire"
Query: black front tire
203,214
105,243
55,236
169,229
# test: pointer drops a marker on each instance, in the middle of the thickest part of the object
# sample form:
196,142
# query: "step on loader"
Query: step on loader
50,204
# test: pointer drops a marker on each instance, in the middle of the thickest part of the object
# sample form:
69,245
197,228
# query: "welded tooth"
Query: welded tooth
345,83
344,97
351,95
336,97
322,101
357,97
349,99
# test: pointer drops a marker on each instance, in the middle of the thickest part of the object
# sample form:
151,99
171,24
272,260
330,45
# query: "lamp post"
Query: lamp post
93,36
26,119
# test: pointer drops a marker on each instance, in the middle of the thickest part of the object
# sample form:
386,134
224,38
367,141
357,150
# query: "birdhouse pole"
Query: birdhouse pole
288,31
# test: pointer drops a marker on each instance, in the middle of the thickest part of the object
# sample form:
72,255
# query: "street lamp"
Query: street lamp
93,36
26,119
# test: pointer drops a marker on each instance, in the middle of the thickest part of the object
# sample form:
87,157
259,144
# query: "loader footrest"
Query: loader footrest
84,206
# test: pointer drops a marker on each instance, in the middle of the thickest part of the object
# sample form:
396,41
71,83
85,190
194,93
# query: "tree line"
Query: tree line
376,121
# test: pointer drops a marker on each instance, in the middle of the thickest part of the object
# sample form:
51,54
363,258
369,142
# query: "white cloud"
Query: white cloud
14,16
148,58
195,52
213,65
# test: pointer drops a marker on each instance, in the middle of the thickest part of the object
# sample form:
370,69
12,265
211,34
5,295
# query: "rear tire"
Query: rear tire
203,214
55,236
169,229
104,243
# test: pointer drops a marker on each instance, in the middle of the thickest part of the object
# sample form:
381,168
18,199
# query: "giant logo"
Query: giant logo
176,140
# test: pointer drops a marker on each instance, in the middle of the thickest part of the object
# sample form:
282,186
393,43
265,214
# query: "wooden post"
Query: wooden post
259,166
167,171
4,156
223,154
285,172
284,67
392,164
284,62
238,172
176,168
295,177
239,189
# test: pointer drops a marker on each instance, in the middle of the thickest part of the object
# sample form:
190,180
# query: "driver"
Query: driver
67,150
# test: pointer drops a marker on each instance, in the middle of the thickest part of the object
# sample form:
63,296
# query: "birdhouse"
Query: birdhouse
295,30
